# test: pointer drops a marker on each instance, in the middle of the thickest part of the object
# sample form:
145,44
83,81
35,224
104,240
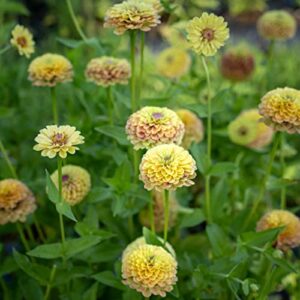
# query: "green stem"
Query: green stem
209,142
166,215
131,226
142,45
54,105
132,61
282,163
30,233
74,19
4,289
7,160
267,283
110,104
263,185
151,214
22,236
38,229
5,49
49,285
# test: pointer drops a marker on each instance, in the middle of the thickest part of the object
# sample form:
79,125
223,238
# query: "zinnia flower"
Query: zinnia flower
158,208
248,130
49,70
207,34
173,62
58,140
167,167
151,126
108,71
76,183
149,269
155,4
193,128
280,109
22,40
237,64
290,235
16,201
130,15
277,25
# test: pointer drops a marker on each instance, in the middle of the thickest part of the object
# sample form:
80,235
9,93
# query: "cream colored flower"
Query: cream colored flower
207,34
22,40
58,140
49,70
76,183
16,201
167,167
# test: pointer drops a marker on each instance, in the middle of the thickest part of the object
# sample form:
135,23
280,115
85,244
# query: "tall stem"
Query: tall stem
54,105
50,282
5,49
7,160
142,45
22,236
209,142
132,61
282,163
166,215
110,104
39,229
151,214
74,19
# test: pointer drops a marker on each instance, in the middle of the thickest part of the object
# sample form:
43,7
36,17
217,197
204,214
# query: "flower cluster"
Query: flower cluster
167,167
49,70
106,71
290,235
280,109
76,183
22,40
16,201
153,126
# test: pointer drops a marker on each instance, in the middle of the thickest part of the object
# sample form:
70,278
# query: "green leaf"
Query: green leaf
93,42
175,292
7,266
115,132
151,238
30,289
108,278
47,251
13,7
51,189
85,230
65,209
283,263
91,293
222,168
193,218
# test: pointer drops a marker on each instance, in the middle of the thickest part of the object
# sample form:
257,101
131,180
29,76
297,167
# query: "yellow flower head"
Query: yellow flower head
248,130
151,126
290,236
149,269
16,201
22,40
167,167
130,15
280,109
173,62
194,130
277,25
58,140
207,34
108,71
158,208
155,4
50,69
76,183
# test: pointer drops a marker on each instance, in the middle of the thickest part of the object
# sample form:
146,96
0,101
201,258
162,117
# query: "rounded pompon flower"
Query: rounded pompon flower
76,183
290,235
149,269
167,167
194,130
158,208
49,70
156,4
207,34
248,130
280,109
277,25
237,64
108,71
22,40
16,201
151,126
173,62
58,140
131,15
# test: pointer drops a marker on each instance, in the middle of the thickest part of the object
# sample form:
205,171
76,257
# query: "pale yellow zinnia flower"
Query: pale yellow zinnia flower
207,34
58,140
22,40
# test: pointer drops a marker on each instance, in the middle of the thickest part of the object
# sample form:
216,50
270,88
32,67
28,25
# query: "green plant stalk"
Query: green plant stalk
22,236
151,214
7,160
209,143
264,291
29,233
282,163
4,289
38,229
75,21
110,105
49,285
54,105
166,214
133,75
5,49
263,185
142,48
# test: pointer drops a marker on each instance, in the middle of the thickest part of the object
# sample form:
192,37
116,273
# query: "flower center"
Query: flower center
65,178
59,139
169,59
157,115
22,41
243,130
208,34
